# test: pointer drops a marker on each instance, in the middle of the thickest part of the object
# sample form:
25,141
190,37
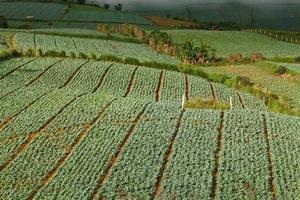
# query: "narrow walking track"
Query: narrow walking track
33,135
53,172
216,169
269,156
167,156
117,154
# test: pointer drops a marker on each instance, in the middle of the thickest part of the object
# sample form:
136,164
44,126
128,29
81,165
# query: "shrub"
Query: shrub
235,58
219,78
29,53
93,56
195,71
39,52
281,70
5,54
110,58
82,55
132,61
72,55
196,55
256,57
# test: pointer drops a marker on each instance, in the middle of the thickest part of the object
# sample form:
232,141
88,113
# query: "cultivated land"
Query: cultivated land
85,128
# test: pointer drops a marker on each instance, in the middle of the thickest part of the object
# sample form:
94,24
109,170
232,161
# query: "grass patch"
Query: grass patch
199,103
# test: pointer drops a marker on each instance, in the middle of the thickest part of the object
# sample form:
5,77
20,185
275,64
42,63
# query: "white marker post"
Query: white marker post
183,101
230,100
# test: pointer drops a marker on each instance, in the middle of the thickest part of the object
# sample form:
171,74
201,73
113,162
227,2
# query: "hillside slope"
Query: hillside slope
233,42
77,129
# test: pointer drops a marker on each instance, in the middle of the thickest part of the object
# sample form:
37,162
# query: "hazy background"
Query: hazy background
279,14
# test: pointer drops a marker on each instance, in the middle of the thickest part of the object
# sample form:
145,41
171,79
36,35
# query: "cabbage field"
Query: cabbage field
233,42
76,122
25,41
130,138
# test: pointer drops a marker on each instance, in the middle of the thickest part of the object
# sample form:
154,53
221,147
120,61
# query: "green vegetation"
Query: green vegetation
111,113
234,42
206,104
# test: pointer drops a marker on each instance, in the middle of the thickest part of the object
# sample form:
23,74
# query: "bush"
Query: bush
256,57
5,54
39,53
72,55
132,61
281,70
219,78
235,58
93,56
195,71
297,59
29,53
82,55
196,55
111,58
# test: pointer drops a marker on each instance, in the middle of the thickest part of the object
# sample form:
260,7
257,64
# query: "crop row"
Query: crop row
132,151
42,11
89,46
120,80
49,146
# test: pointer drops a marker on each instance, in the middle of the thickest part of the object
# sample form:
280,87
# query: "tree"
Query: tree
106,6
119,7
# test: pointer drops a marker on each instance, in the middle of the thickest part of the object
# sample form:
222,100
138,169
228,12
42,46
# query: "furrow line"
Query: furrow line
213,91
73,75
269,155
167,156
102,78
132,82
53,172
159,86
30,138
9,119
18,67
42,73
216,169
187,86
117,154
241,101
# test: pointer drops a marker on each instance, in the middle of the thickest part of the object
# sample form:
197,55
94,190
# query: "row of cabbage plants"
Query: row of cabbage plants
89,160
30,168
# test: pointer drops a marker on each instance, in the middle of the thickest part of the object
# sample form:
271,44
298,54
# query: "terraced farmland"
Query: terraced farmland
25,41
233,42
108,130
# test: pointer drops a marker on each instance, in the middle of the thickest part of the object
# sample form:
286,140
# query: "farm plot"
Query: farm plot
42,11
98,148
285,154
243,170
173,86
9,66
26,125
98,47
295,67
105,16
144,83
53,143
118,80
26,75
139,165
232,42
195,145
